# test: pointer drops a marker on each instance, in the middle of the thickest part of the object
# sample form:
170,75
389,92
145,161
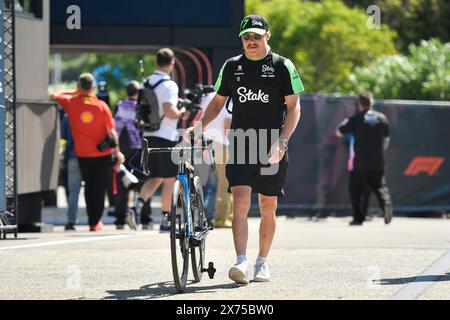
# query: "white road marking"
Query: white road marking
414,289
54,243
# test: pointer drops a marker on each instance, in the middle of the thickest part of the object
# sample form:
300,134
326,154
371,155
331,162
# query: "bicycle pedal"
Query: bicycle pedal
211,270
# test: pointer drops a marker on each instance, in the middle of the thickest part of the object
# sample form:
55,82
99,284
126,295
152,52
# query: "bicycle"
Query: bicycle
188,223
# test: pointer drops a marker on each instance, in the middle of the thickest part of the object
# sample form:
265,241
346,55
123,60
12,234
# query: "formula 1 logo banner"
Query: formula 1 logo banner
417,161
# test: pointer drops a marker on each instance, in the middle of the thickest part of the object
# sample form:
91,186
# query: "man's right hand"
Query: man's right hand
184,113
196,131
187,134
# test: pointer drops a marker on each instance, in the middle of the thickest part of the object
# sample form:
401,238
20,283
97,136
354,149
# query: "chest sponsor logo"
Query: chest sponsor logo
239,71
248,95
86,117
267,71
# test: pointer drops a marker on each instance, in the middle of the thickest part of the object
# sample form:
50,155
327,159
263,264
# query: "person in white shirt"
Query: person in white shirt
163,170
217,131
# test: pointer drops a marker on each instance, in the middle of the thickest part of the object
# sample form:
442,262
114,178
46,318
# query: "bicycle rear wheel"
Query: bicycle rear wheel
179,245
199,224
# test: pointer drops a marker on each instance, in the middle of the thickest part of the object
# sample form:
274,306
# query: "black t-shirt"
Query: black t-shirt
369,128
258,88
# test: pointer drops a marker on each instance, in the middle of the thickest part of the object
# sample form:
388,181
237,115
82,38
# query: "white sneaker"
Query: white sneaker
262,272
238,273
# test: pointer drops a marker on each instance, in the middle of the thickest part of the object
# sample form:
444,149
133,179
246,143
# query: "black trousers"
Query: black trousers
132,159
94,172
365,201
375,182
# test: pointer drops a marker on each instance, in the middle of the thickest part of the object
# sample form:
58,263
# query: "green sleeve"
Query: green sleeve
221,85
296,85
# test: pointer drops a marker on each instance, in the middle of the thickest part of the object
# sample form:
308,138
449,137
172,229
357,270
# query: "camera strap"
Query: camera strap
153,87
114,181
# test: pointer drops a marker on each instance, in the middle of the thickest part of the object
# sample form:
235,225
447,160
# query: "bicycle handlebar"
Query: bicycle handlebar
146,151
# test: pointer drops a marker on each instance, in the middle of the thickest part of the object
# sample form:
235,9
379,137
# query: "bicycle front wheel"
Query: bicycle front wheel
199,224
179,245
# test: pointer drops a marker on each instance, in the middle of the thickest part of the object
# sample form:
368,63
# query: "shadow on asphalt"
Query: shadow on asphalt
164,289
428,278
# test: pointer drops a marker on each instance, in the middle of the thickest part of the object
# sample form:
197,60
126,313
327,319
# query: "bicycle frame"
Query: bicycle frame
195,232
185,171
182,177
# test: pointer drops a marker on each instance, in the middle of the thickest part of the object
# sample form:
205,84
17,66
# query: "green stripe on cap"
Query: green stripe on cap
219,78
296,82
244,22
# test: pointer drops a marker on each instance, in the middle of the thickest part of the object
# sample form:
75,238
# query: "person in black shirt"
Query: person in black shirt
371,133
265,90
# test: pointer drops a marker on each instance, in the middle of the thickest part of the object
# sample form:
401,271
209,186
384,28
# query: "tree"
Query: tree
116,69
422,75
413,20
326,40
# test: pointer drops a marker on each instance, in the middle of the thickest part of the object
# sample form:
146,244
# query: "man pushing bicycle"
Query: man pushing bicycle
265,90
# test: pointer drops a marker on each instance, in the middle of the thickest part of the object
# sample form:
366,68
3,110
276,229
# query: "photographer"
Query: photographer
95,141
162,170
222,205
130,145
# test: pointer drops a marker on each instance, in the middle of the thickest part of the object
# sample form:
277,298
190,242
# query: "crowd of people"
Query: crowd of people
89,123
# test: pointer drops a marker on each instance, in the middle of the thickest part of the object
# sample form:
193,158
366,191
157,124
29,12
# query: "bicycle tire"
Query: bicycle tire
198,219
179,246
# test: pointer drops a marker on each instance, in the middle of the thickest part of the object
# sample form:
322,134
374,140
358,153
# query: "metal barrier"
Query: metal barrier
8,181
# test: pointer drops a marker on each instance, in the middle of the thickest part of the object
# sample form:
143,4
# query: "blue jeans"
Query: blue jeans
74,185
210,192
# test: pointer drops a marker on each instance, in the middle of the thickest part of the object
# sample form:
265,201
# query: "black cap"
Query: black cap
253,23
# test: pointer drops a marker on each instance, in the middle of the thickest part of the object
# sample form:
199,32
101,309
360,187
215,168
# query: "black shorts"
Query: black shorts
160,163
260,178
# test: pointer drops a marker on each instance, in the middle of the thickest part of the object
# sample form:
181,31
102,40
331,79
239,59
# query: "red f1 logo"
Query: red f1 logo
424,164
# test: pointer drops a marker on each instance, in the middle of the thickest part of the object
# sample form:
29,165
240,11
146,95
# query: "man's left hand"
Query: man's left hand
276,152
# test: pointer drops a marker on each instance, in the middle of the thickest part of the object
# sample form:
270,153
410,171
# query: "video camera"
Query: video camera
196,94
192,99
128,179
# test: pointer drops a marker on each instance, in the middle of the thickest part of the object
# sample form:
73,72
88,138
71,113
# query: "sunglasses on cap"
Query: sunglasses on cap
247,36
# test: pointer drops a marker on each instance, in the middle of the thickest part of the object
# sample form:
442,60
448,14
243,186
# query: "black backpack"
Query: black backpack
147,115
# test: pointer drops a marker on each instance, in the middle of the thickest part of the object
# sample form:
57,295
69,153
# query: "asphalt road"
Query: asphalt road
409,259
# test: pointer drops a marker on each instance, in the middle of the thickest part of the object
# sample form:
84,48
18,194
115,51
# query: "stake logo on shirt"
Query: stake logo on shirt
248,95
268,71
